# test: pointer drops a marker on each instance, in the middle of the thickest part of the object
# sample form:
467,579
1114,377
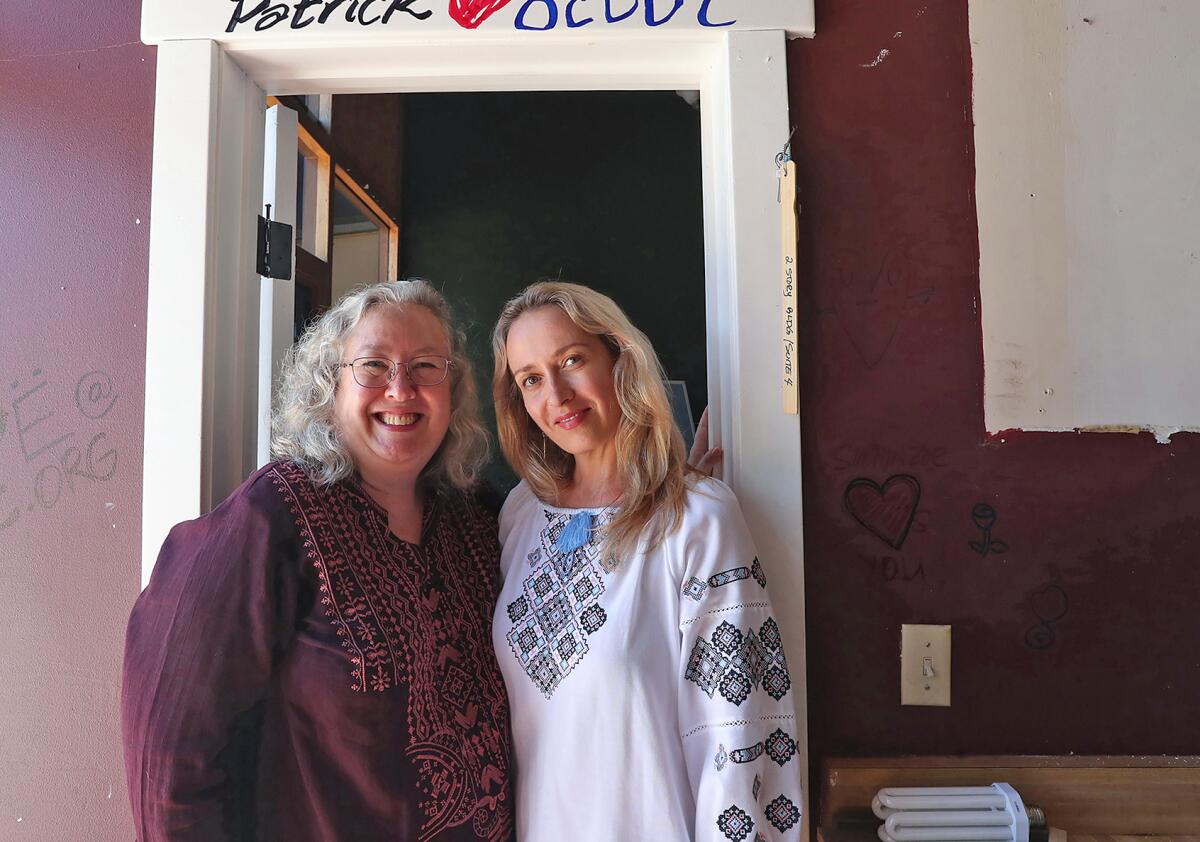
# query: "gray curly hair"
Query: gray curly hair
302,422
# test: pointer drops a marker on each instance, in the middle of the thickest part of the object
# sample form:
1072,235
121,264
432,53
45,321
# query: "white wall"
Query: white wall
1087,126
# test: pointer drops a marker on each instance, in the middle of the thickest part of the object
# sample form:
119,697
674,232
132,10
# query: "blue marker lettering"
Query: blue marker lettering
551,10
608,15
650,21
571,22
702,17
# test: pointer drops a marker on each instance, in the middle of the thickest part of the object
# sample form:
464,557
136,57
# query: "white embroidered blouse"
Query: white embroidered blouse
652,702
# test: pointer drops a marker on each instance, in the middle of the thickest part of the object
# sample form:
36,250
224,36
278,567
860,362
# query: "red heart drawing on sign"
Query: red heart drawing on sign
887,511
470,13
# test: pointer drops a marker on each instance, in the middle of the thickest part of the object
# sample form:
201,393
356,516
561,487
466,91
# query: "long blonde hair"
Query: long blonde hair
651,460
302,423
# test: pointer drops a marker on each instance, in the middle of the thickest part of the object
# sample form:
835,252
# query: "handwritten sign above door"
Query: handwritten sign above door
284,22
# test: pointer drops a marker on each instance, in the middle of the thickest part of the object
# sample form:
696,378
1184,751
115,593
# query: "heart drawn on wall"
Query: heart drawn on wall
470,13
887,510
870,301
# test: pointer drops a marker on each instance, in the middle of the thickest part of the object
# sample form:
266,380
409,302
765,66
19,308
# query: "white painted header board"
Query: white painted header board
278,23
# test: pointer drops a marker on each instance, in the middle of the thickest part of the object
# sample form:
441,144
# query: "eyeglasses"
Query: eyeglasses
377,372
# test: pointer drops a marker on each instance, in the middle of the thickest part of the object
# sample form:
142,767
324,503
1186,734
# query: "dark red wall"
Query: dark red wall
1099,534
76,117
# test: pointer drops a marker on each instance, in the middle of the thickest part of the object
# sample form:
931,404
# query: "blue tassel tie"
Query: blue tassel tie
575,534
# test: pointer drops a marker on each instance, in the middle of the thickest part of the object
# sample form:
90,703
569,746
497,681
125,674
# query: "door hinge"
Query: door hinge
274,248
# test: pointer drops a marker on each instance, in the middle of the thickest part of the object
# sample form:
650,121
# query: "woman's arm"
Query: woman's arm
200,648
737,716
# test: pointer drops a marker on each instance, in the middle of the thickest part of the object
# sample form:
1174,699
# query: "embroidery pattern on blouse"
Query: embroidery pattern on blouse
735,823
783,813
558,608
695,588
735,662
779,746
404,623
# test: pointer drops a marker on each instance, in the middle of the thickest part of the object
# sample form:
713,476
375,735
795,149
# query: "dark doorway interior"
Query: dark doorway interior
598,188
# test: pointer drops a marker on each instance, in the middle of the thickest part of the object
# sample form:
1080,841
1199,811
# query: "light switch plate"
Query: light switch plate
925,665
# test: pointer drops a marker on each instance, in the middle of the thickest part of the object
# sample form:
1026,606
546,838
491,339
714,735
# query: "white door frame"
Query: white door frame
202,398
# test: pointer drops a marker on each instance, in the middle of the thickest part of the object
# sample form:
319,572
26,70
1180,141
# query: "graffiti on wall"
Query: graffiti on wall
872,301
54,426
892,568
881,457
984,518
886,511
1049,605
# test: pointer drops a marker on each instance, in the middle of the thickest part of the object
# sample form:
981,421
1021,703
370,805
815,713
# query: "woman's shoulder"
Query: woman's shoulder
258,500
519,506
709,497
276,485
253,518
520,499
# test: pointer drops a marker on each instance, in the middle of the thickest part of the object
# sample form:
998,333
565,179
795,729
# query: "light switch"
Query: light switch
925,665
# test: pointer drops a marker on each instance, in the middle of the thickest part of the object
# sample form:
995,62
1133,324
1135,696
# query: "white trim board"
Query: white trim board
305,23
202,349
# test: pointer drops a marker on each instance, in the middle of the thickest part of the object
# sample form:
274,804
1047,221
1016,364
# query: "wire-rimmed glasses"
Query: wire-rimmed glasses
377,372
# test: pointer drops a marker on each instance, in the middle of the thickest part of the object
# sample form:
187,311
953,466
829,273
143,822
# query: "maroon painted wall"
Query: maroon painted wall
76,114
1074,628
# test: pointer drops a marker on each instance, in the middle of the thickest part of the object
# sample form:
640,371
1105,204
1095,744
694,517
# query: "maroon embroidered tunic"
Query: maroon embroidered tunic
296,672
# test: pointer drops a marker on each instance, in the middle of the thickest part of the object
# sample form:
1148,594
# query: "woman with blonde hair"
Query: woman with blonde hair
649,691
310,660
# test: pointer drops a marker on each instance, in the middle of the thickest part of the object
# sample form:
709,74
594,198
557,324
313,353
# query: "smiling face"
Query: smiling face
565,377
393,432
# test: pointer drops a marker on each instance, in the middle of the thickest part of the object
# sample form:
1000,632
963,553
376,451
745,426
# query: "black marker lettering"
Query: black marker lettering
275,14
362,11
238,17
403,6
301,8
330,6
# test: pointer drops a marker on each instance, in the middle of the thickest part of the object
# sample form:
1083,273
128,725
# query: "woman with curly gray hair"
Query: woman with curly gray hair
311,659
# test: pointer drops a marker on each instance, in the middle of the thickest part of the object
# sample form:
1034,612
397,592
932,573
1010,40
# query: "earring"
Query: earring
543,447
